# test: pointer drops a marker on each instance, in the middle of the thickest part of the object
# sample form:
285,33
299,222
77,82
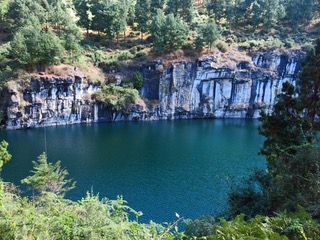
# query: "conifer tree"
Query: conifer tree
143,15
309,86
48,177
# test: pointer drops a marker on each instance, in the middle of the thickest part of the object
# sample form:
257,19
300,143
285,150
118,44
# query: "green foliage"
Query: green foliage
125,55
43,32
137,79
285,129
291,150
48,177
222,46
168,33
116,98
207,34
51,217
83,9
31,45
299,12
5,156
252,196
143,14
97,56
183,8
309,86
295,225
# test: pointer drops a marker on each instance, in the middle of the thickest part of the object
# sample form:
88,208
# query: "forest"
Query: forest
281,202
36,34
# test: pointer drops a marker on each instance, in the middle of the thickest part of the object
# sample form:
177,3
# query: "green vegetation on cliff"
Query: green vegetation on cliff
35,34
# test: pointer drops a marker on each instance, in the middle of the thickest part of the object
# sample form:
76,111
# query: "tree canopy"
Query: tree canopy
48,177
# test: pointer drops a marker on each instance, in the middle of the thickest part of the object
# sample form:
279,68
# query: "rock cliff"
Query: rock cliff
209,89
206,88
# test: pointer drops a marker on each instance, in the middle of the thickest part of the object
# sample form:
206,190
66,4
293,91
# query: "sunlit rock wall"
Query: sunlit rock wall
205,89
210,87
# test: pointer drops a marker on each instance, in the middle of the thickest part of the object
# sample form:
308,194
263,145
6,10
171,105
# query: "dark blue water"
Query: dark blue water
159,167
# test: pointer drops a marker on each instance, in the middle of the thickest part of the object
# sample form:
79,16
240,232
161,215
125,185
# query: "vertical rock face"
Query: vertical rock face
206,88
50,101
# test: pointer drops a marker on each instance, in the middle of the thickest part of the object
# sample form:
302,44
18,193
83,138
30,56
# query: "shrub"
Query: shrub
137,80
222,46
133,50
141,54
125,55
244,46
289,43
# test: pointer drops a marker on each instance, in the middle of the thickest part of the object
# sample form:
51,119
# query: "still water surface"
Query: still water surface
159,167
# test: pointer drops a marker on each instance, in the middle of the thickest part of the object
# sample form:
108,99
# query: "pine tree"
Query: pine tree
285,128
48,177
309,86
157,31
83,9
155,5
4,7
207,34
143,15
175,32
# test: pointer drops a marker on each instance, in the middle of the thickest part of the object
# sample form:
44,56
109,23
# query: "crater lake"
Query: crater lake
160,168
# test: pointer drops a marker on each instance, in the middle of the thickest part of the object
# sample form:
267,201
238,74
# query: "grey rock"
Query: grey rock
182,90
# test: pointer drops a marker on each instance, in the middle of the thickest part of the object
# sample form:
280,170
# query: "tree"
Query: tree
157,32
143,15
290,131
207,34
216,7
285,129
5,156
33,46
184,8
309,86
168,33
83,9
175,32
299,12
43,31
137,79
274,11
48,177
155,5
4,7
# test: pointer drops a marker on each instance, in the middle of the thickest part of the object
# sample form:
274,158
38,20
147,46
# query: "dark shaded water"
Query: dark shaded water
159,167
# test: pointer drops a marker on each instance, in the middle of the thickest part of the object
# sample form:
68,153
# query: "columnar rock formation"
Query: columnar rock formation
206,88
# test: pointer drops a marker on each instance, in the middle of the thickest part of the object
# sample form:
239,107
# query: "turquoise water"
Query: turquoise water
159,167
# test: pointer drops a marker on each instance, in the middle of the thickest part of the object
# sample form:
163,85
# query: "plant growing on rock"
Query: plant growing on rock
116,99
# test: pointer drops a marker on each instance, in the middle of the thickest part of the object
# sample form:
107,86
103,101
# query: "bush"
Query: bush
125,55
141,54
222,46
137,80
133,50
289,43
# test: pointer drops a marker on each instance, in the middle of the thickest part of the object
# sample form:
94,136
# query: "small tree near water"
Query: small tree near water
49,177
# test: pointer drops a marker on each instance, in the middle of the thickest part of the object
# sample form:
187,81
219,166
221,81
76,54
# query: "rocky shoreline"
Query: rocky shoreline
206,88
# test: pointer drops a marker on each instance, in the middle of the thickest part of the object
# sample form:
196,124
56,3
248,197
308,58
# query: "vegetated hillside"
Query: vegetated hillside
37,34
107,34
